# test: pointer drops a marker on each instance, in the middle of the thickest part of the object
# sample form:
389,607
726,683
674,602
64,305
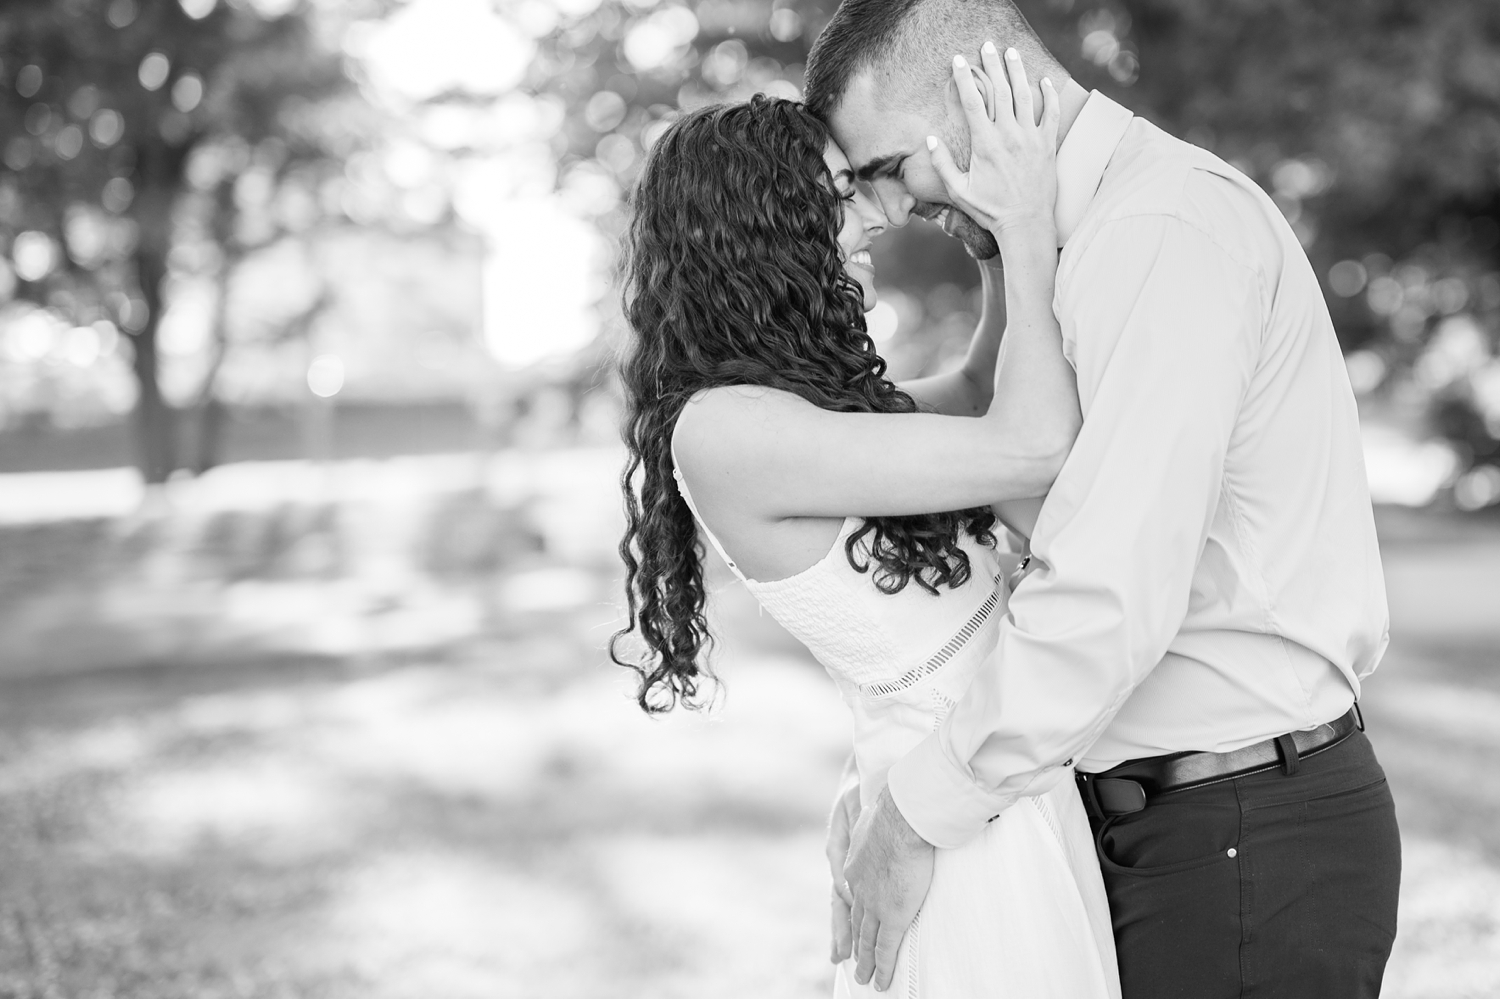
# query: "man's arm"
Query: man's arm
1167,335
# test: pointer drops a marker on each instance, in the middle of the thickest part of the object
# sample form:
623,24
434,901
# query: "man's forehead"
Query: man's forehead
867,126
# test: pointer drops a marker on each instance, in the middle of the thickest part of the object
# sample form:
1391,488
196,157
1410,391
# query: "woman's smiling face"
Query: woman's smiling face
863,221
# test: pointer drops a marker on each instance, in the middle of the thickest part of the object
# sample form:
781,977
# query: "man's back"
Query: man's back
1288,582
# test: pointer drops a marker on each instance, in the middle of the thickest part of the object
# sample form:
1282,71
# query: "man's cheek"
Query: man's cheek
924,185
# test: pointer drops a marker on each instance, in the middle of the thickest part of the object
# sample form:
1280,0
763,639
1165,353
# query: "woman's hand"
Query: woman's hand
1012,177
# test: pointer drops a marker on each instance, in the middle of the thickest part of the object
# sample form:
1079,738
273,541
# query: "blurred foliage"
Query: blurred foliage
149,144
149,147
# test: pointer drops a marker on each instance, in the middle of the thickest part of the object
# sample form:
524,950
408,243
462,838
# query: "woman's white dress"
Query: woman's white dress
1019,911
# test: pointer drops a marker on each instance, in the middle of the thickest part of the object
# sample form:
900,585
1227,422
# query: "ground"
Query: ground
348,731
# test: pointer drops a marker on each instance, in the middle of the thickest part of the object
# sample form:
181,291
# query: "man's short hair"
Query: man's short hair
911,43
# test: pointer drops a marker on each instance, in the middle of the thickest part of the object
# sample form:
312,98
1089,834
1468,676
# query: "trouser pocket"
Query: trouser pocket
1177,927
1173,878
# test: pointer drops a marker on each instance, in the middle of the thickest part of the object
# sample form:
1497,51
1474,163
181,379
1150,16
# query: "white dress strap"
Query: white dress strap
687,497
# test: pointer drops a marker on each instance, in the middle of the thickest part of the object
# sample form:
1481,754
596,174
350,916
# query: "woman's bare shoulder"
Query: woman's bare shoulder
729,421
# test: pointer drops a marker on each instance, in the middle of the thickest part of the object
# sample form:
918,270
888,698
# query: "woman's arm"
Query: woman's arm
771,455
1033,347
967,391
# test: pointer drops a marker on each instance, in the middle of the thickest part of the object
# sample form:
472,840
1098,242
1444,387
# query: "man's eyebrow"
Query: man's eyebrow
879,165
844,175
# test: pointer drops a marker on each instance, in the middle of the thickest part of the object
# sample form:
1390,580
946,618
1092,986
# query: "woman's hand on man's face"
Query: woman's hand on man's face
1012,177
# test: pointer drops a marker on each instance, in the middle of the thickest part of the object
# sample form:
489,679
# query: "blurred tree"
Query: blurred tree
136,135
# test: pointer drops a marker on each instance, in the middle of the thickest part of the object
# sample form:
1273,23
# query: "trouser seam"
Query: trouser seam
1247,896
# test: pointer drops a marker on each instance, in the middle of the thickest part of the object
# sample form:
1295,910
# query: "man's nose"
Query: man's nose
895,202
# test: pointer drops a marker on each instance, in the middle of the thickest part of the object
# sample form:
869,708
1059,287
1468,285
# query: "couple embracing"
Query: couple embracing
1129,762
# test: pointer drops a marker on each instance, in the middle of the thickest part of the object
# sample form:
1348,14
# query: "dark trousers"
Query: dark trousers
1272,885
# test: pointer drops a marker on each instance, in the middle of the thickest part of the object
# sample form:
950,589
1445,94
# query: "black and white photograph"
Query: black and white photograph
726,499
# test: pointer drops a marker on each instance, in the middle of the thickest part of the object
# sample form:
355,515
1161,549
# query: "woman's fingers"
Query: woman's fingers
989,56
1051,113
972,100
1021,88
955,181
843,935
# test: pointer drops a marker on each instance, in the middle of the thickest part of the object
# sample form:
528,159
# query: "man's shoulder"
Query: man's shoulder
1157,175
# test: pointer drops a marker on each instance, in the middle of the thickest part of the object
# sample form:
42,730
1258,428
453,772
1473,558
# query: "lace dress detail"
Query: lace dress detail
955,645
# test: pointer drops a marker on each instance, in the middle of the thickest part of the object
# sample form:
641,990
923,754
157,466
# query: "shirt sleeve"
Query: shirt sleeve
1166,329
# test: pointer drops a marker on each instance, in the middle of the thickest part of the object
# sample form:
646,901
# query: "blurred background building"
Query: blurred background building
307,498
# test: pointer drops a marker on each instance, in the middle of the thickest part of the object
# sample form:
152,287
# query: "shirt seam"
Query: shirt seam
1176,214
1254,560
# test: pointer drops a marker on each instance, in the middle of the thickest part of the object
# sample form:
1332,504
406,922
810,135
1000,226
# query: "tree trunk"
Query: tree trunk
155,426
208,411
158,176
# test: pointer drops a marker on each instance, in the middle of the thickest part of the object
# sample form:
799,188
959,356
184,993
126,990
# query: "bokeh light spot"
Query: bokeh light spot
1347,278
154,70
121,13
106,128
660,38
34,254
325,375
187,92
29,80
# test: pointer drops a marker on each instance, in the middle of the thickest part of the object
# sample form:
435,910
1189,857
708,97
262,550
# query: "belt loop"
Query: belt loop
1090,799
1359,717
1287,747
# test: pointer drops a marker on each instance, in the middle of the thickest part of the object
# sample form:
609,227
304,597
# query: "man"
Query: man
1207,594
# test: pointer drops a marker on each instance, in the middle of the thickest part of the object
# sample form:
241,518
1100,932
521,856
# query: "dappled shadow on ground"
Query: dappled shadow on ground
391,761
351,733
419,830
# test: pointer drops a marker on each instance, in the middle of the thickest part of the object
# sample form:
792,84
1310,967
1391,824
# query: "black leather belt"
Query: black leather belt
1126,788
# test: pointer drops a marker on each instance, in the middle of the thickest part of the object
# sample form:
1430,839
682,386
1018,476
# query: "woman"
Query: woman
759,411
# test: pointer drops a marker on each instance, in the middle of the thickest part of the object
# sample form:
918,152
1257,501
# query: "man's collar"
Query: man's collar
1082,157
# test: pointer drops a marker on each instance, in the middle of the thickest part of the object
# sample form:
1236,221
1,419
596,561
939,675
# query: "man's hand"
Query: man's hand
840,827
889,871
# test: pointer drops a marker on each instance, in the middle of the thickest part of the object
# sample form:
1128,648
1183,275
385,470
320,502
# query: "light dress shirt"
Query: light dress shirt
1207,574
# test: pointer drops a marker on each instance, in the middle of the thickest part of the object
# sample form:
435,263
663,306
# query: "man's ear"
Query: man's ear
955,107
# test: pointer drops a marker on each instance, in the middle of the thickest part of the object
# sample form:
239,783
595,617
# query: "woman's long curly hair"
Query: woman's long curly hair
734,276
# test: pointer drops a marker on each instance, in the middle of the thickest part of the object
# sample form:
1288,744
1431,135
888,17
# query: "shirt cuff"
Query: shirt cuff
939,799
